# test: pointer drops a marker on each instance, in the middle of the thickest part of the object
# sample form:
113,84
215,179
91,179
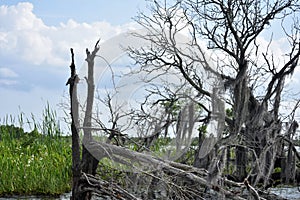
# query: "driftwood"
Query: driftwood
90,183
181,171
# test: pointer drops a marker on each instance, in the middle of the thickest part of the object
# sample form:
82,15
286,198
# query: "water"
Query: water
65,196
291,193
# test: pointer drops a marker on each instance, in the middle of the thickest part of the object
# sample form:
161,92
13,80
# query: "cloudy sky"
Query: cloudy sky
35,37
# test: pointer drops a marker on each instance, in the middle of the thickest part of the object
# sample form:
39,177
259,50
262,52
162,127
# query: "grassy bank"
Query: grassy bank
34,162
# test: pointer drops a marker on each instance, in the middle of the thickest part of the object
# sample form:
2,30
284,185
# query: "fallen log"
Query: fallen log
90,183
184,172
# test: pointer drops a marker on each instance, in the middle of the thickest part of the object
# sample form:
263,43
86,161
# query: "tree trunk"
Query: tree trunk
290,165
290,170
73,80
241,112
241,163
201,161
89,162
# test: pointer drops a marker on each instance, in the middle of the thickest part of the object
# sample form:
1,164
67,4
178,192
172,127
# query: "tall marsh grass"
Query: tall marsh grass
34,162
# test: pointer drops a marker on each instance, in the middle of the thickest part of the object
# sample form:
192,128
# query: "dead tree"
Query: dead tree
231,28
179,180
88,164
76,165
254,126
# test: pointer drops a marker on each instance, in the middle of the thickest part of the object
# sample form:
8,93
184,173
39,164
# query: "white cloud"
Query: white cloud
8,77
7,82
7,73
25,38
21,37
34,57
19,17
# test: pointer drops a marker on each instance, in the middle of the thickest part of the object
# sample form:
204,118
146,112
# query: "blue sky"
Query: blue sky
54,12
35,37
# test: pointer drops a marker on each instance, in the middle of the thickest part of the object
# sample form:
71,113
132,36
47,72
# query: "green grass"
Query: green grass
35,163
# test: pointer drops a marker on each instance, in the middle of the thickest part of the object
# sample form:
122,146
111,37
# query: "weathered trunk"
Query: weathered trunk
241,112
241,163
173,174
89,162
290,165
76,170
201,161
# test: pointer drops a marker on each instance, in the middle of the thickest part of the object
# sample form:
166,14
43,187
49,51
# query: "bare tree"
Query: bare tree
228,74
76,169
87,164
231,29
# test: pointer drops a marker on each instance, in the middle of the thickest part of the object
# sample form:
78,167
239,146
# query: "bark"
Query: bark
290,169
240,109
185,173
102,188
251,190
89,162
201,161
76,170
241,163
290,165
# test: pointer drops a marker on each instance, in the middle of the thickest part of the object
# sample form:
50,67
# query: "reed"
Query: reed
35,162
